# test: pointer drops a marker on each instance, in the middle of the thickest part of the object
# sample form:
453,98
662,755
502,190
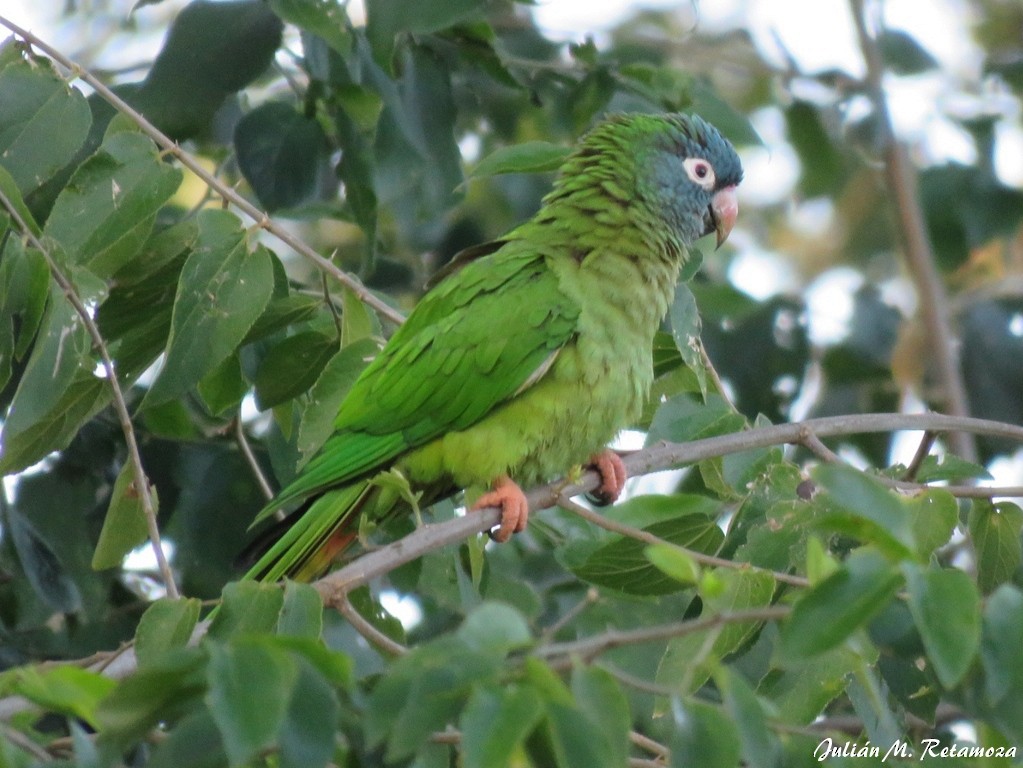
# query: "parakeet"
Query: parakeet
528,358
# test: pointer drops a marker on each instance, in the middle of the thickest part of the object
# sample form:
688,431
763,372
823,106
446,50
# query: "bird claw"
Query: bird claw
514,507
612,478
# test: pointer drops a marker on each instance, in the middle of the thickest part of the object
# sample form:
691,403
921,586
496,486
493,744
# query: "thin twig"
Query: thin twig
645,742
922,451
901,180
640,535
560,655
250,458
140,481
811,441
373,635
591,597
261,218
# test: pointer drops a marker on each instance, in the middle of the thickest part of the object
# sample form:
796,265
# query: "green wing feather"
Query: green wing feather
472,343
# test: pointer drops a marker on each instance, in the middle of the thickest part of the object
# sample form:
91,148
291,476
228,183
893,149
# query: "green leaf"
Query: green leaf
61,351
950,467
281,153
685,330
248,606
760,749
223,388
63,689
832,610
166,625
600,697
933,515
44,570
903,54
860,506
194,741
83,397
495,722
357,322
106,211
704,736
124,525
293,366
995,532
43,122
495,628
329,391
823,167
386,18
689,660
682,419
623,564
302,611
674,562
212,50
1002,639
327,19
16,203
801,691
249,689
527,157
24,290
946,609
223,289
308,732
424,690
169,685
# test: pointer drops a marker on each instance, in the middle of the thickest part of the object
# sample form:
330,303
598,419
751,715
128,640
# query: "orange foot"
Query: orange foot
612,477
514,508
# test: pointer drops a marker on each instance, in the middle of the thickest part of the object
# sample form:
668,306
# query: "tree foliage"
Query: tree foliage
164,350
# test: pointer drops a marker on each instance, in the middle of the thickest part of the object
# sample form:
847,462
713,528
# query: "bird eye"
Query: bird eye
700,172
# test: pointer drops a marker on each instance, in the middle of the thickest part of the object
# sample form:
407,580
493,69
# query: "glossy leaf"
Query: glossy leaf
166,625
495,722
946,609
45,122
828,613
995,531
124,525
282,154
293,366
528,157
107,211
704,736
222,290
43,569
860,506
250,685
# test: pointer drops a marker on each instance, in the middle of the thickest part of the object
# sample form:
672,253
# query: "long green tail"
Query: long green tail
319,535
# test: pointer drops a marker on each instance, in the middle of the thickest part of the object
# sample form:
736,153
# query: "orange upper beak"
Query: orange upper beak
724,208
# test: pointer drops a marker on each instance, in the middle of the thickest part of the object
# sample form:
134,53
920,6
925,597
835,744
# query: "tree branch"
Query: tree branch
261,218
660,456
140,481
561,654
901,180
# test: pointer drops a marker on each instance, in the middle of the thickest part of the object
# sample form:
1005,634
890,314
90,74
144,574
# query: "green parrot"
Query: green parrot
530,355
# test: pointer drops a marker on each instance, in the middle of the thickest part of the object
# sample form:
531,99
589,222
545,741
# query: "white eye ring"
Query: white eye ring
700,172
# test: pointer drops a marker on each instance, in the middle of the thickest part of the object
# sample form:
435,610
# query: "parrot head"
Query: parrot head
689,173
679,168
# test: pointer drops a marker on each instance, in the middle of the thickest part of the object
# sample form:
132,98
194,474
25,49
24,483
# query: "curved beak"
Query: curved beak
724,208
